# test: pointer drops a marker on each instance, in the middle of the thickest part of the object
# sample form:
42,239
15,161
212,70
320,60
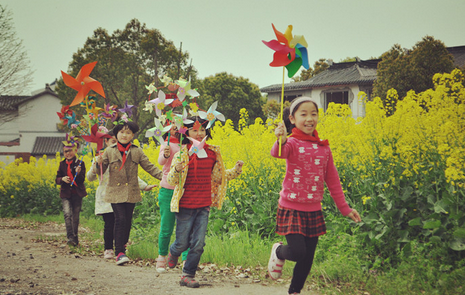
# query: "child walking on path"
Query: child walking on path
122,160
71,175
309,165
200,181
168,218
103,208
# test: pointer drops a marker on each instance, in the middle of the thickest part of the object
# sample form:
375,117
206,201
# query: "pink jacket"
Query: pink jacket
308,167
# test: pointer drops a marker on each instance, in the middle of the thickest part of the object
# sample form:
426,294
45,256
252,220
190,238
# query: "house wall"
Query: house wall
9,129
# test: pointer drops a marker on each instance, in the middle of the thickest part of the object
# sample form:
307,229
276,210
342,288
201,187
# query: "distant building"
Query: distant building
29,126
342,83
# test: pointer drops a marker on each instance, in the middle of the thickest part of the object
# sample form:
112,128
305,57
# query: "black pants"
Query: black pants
109,230
123,222
71,210
300,249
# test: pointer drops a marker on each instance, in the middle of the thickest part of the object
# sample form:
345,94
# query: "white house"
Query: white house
28,126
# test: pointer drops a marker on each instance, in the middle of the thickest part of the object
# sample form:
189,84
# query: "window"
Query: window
336,97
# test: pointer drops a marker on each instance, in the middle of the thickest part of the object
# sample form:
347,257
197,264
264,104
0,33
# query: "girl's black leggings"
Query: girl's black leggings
123,222
300,249
108,229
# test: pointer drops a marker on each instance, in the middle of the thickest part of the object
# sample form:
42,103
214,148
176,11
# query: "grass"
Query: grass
338,267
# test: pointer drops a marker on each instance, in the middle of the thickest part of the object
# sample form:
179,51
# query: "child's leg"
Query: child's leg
123,219
301,250
196,241
184,224
167,220
108,230
76,203
68,215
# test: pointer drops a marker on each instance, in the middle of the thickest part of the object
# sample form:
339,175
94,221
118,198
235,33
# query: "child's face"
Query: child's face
173,130
110,141
125,135
305,118
198,134
69,152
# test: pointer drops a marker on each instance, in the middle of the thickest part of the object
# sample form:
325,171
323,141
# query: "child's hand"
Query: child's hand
78,169
238,166
167,152
99,159
66,179
149,187
355,216
178,167
281,132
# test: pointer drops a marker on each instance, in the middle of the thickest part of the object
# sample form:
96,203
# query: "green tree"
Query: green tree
414,69
128,60
232,94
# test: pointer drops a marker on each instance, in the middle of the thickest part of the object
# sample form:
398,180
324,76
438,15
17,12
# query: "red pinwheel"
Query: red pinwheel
83,83
96,137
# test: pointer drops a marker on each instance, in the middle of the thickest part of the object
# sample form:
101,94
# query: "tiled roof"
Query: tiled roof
458,52
11,102
347,73
47,146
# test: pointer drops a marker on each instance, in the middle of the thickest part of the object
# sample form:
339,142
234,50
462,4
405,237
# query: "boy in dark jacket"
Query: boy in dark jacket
71,175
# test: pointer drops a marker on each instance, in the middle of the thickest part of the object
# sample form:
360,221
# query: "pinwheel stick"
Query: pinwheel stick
75,174
282,106
169,136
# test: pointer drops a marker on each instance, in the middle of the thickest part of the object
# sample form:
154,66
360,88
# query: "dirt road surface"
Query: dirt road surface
28,265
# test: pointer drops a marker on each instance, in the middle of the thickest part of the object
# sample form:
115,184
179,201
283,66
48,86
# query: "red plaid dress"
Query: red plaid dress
308,224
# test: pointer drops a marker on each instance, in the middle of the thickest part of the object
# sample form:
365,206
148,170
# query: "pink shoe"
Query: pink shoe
275,265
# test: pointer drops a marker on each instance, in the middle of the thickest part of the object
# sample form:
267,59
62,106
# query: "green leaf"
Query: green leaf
459,233
457,244
415,222
432,224
439,207
403,236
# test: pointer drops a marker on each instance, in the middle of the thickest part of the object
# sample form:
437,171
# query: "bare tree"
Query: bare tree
15,72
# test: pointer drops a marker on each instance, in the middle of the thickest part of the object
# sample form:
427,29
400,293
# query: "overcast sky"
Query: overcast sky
226,36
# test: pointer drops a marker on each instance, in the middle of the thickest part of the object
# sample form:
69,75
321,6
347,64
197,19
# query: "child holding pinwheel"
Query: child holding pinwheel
200,180
103,208
71,175
122,160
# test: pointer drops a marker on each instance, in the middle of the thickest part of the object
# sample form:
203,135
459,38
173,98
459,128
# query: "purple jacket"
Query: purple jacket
78,185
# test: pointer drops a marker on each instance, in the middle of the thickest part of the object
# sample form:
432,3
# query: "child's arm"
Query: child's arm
150,167
234,172
164,155
60,175
143,186
281,135
175,169
93,171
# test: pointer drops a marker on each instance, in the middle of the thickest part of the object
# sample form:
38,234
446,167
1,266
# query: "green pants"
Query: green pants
168,219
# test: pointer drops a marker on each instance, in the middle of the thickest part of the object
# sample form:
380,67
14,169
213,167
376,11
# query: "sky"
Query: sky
226,36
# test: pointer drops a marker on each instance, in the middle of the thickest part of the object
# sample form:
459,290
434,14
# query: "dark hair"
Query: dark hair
204,124
121,124
111,132
287,113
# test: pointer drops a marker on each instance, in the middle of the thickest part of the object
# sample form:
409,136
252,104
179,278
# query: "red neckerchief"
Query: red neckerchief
297,133
172,140
124,151
70,174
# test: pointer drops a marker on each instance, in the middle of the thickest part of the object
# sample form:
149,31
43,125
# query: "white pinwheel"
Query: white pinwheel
160,102
185,89
198,147
157,131
212,114
180,120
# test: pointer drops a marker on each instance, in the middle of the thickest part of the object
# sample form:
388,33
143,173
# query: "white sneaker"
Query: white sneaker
108,254
161,264
275,265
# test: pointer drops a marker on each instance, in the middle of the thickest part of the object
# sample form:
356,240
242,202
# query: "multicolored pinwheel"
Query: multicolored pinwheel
110,112
198,147
70,141
83,83
290,51
157,131
71,119
212,114
95,137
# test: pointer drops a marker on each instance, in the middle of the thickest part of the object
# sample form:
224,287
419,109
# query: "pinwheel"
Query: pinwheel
179,120
110,112
70,141
290,51
157,131
64,111
95,137
184,89
94,110
198,147
83,83
212,114
72,119
160,102
151,88
127,109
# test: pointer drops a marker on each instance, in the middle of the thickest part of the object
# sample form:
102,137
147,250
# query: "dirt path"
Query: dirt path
31,267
